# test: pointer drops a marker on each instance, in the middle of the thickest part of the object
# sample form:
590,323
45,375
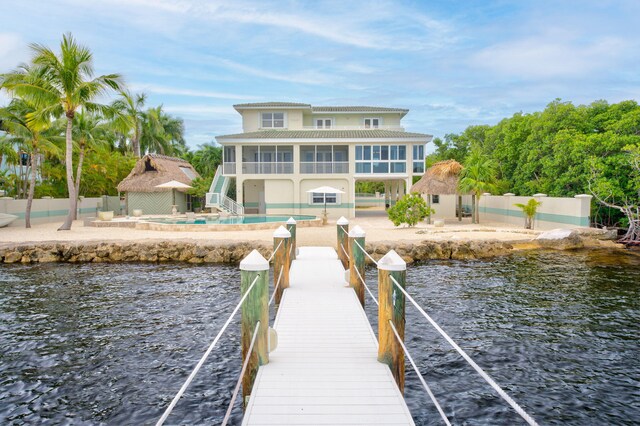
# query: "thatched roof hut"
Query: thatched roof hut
154,169
441,178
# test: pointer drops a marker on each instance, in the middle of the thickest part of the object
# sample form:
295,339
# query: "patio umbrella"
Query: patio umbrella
325,190
173,185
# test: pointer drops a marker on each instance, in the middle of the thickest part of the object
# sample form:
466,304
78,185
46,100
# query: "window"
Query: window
435,199
379,159
317,198
272,120
267,159
324,159
324,123
418,159
371,123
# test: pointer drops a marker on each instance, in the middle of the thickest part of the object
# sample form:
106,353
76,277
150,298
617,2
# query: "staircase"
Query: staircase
217,195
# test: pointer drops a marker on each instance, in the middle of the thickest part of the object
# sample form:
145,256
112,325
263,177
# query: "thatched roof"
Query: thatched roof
441,178
155,169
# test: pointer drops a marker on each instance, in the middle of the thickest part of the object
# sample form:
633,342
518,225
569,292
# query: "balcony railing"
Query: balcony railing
267,168
357,127
229,168
324,167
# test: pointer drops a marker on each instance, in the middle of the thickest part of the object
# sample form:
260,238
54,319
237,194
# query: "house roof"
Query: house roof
271,105
326,134
358,109
320,109
441,178
165,169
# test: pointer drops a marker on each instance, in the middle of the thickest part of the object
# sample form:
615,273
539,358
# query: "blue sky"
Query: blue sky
452,63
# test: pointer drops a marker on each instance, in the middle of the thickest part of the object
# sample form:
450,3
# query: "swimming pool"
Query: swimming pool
230,220
230,223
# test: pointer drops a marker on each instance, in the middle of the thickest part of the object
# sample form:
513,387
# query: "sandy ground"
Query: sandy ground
377,229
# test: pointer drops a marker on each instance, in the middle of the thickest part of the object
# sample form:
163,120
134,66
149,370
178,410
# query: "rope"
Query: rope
345,252
274,252
204,357
244,369
467,358
344,230
365,252
424,383
366,287
273,296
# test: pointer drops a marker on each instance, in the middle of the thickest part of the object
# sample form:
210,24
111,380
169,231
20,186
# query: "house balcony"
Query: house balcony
357,127
324,167
229,168
263,168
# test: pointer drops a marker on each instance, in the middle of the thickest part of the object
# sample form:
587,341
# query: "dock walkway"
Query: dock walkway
325,368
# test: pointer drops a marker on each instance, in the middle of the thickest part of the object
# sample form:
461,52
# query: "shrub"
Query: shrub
411,209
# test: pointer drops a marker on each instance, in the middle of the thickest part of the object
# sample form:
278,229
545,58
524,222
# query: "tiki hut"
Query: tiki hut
441,179
141,186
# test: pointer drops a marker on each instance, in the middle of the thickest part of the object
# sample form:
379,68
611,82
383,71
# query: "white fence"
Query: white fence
46,210
554,212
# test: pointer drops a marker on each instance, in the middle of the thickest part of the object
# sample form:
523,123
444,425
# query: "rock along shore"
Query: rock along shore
221,252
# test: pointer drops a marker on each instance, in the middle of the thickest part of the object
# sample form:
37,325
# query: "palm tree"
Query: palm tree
61,84
129,117
162,133
34,138
89,132
477,177
529,210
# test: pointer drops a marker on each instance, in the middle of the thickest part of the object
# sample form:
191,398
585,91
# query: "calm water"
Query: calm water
111,344
232,220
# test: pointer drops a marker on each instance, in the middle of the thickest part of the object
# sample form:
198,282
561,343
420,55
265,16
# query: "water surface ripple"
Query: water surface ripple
112,343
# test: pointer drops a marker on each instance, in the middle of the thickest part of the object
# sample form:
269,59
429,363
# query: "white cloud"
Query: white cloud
166,90
13,51
550,56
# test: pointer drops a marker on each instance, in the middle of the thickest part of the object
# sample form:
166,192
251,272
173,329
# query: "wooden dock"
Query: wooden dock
325,369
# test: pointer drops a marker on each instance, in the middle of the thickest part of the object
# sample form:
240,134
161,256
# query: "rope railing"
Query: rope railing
345,252
275,287
205,356
239,382
415,368
274,252
367,287
467,358
365,252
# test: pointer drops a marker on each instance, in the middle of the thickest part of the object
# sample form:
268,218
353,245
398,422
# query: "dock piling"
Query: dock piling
255,309
281,261
357,262
343,241
291,227
392,308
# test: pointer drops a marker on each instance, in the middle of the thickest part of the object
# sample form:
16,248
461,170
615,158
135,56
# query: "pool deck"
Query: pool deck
325,369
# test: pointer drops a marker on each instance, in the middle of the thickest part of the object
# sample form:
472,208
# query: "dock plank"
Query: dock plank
325,369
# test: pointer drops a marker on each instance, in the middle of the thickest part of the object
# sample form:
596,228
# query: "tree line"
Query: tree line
561,151
59,139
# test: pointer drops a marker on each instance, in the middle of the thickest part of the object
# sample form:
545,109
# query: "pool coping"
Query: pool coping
146,224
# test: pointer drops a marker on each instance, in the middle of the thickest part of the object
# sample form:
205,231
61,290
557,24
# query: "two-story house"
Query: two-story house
287,149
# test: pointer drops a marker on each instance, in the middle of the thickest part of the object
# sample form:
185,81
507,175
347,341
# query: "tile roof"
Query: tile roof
272,105
325,134
357,109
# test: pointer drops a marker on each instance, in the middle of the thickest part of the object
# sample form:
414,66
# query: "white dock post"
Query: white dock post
357,261
343,241
391,309
291,227
281,261
255,309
